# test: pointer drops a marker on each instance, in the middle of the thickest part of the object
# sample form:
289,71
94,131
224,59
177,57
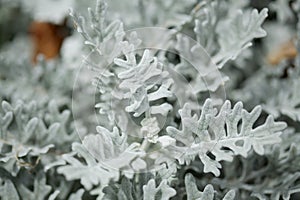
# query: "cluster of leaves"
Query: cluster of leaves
159,136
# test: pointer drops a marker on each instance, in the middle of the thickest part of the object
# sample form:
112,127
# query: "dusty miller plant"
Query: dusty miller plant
163,127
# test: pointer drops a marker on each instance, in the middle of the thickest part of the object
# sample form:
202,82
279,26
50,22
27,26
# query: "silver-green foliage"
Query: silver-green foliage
149,144
207,134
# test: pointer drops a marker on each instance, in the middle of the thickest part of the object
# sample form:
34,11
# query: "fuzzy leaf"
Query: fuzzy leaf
90,173
150,190
191,188
208,194
237,34
212,131
138,80
111,149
